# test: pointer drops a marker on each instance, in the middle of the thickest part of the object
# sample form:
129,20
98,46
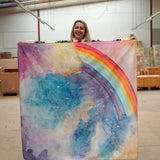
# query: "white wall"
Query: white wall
107,21
156,20
15,28
156,23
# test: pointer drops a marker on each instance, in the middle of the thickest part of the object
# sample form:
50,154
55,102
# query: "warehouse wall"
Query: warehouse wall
106,21
14,28
156,23
156,20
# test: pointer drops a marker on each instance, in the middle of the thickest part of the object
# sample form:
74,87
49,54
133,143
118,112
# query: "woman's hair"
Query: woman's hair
86,35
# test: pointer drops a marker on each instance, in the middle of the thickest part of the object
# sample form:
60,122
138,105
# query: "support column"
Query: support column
151,25
38,14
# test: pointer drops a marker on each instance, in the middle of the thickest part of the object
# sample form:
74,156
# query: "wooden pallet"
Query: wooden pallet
9,94
147,88
148,81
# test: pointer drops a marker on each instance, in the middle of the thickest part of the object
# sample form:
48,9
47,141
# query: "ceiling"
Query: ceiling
10,6
9,1
4,3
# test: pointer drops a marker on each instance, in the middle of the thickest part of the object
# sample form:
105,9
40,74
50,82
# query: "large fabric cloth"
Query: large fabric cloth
78,100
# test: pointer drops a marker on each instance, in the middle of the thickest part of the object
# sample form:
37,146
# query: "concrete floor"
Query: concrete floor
148,126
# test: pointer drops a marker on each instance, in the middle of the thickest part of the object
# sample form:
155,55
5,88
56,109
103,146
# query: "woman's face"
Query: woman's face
79,31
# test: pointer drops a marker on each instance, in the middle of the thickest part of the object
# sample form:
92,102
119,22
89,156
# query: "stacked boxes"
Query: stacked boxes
148,67
9,82
151,57
143,61
5,55
156,55
153,70
138,65
139,44
1,69
147,60
9,76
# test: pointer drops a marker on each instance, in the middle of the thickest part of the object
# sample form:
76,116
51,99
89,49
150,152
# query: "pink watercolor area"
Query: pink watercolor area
112,48
29,56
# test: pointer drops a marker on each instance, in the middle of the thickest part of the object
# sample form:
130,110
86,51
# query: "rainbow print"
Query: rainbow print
125,93
78,100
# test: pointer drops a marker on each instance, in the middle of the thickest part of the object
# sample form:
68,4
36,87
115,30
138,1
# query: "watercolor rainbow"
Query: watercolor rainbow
111,77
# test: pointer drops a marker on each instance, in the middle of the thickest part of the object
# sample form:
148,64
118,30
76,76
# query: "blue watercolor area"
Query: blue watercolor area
81,140
113,130
52,97
116,139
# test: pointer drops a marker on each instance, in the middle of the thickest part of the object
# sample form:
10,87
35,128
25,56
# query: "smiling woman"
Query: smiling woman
80,32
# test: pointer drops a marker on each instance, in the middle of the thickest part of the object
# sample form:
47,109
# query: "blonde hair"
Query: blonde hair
86,35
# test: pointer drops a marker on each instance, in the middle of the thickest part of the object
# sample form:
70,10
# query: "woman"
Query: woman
80,32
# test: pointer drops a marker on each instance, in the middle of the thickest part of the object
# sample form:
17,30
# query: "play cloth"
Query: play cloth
78,100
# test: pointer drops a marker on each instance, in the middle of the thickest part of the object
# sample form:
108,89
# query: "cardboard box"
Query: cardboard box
140,51
141,60
146,72
157,61
138,73
147,59
141,72
0,87
11,63
139,44
138,67
151,51
156,51
148,81
153,70
152,61
144,62
9,82
5,54
142,67
1,70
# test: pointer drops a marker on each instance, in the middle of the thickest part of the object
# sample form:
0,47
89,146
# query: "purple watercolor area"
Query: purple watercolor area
29,55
